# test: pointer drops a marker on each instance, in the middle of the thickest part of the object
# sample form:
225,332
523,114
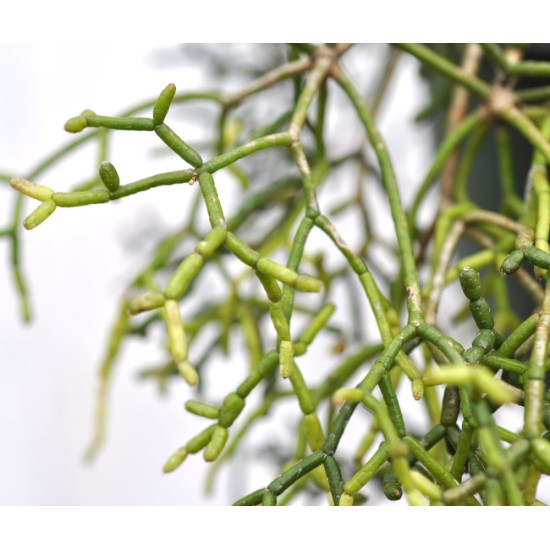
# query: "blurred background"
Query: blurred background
80,261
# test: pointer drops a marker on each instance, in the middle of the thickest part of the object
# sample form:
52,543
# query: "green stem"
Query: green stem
436,469
450,70
225,159
518,337
285,480
390,184
534,377
534,94
516,118
284,72
465,166
314,81
506,167
462,451
538,69
444,152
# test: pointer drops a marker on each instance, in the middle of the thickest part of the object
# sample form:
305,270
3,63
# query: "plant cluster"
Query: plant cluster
466,457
